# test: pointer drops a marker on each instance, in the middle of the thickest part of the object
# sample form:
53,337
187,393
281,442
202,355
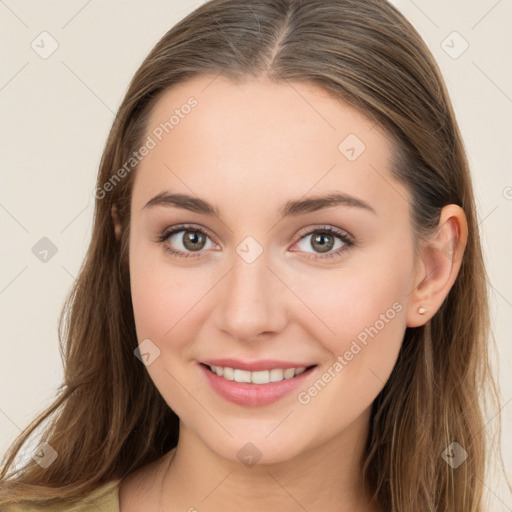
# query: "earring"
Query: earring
421,310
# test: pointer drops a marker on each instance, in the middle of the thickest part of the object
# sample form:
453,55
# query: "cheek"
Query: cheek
366,309
343,303
163,299
362,301
169,302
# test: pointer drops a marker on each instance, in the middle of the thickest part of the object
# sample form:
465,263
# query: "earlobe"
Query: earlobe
117,222
440,261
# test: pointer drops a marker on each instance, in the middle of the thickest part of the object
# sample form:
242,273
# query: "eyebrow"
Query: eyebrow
289,209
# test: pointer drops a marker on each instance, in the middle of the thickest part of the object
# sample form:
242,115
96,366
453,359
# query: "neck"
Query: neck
327,477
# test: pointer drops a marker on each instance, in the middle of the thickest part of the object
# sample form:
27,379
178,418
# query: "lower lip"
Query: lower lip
253,395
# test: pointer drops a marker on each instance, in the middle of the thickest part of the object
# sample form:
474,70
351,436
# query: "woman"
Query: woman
283,304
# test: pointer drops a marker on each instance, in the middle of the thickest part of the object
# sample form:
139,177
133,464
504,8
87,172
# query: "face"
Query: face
256,283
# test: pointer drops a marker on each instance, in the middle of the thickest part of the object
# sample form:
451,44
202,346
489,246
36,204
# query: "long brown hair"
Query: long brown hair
109,419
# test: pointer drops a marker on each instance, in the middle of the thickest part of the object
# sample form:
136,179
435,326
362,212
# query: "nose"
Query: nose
252,300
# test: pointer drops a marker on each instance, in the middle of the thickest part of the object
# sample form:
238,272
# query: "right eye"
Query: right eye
188,239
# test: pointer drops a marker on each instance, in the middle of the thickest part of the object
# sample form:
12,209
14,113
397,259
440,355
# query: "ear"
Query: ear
438,265
117,222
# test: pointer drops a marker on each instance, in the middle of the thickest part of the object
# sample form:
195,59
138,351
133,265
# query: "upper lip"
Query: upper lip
254,366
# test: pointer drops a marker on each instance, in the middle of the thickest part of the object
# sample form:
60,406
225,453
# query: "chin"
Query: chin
258,449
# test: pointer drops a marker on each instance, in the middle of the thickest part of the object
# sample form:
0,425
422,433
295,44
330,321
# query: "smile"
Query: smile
255,388
260,377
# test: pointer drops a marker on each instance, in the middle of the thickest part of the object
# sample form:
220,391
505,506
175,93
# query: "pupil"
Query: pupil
193,240
320,239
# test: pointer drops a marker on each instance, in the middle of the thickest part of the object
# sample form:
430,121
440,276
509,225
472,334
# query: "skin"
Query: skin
248,148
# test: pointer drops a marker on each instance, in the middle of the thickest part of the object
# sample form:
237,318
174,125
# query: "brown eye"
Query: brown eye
193,240
184,241
322,242
326,242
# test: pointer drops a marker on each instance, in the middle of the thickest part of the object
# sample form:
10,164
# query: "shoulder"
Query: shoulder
104,498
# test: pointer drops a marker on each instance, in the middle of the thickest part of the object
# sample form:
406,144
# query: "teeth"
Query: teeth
260,377
242,376
227,373
289,373
276,375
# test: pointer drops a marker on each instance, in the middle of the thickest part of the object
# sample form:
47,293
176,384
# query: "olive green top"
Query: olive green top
102,499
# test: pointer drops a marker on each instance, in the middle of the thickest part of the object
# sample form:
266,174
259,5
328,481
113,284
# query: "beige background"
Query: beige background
56,113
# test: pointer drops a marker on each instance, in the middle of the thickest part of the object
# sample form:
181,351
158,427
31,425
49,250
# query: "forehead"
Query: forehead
235,142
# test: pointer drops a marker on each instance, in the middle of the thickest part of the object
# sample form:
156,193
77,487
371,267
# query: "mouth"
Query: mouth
257,377
255,388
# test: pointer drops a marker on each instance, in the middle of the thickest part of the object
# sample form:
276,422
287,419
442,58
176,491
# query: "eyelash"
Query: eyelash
347,240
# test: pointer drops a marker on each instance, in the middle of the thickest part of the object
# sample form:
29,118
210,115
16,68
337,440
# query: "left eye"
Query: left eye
324,240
